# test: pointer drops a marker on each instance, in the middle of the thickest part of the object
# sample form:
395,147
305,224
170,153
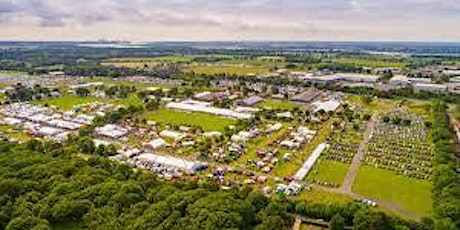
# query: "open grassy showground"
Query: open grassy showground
412,194
207,122
68,101
227,69
329,171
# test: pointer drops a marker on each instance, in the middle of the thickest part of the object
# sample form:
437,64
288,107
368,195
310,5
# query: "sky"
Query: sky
231,20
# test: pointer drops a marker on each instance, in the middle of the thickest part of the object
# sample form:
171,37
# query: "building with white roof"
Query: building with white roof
157,143
111,130
306,167
327,106
204,107
430,87
172,134
169,161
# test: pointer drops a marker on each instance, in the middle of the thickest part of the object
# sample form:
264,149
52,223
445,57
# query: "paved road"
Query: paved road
350,177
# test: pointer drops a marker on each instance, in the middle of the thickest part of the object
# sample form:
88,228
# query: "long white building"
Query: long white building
194,106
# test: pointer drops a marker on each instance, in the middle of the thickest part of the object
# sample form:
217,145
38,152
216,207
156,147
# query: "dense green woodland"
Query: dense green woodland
446,176
47,185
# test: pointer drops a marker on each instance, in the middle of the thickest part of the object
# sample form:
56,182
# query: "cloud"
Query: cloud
228,18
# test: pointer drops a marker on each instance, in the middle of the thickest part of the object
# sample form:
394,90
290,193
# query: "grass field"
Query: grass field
68,101
132,99
254,61
374,105
12,73
140,62
227,69
19,135
274,104
329,171
319,196
412,194
206,121
311,227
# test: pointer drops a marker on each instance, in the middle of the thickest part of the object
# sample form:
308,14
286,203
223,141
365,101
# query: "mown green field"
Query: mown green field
412,194
227,69
275,104
329,171
319,196
207,122
68,101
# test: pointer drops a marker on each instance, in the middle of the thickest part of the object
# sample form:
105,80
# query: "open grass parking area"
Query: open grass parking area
329,171
207,122
412,194
227,69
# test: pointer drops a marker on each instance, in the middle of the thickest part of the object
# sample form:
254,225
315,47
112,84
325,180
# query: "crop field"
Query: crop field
412,194
227,69
206,121
372,63
255,61
169,59
142,62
